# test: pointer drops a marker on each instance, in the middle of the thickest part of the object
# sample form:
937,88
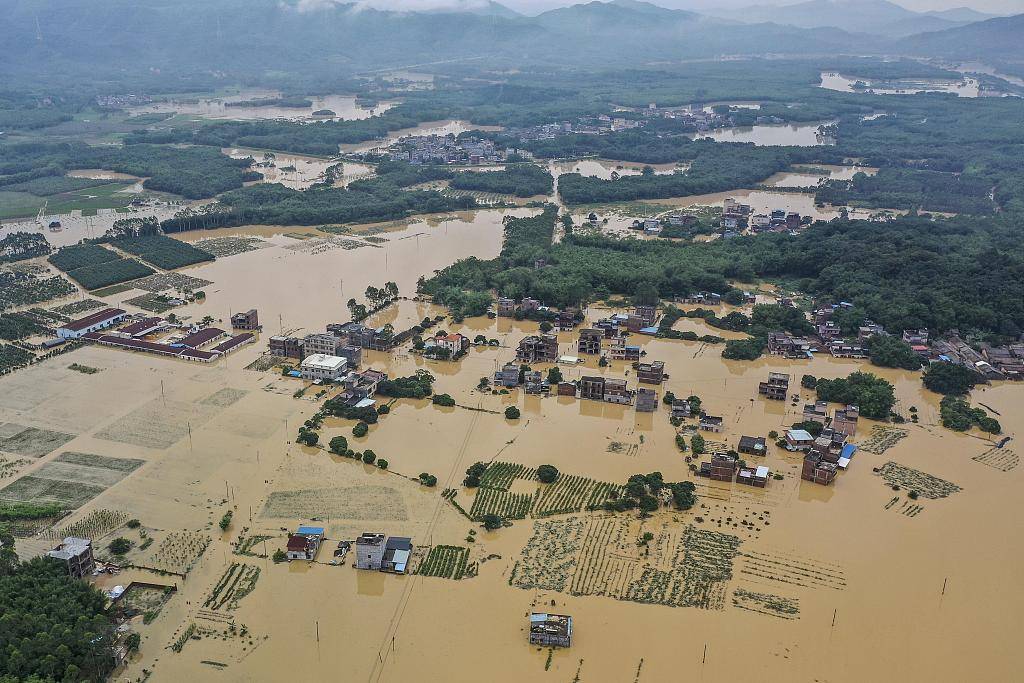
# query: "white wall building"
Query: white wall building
323,367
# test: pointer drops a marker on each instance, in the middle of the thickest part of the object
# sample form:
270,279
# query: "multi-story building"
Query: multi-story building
549,630
722,467
757,476
817,470
286,347
620,350
651,373
455,343
681,408
249,320
777,386
76,554
590,341
508,376
592,387
647,314
845,420
710,423
616,391
323,343
370,551
319,367
505,307
816,412
752,445
538,349
534,382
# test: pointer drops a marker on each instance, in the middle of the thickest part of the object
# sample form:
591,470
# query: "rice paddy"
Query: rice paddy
177,552
70,480
161,282
788,569
765,603
570,493
354,502
238,580
230,246
31,442
882,438
96,524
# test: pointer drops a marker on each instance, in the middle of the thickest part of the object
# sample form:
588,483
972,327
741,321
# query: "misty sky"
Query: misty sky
992,6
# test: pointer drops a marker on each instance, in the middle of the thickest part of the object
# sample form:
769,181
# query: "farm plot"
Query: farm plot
30,441
71,480
882,439
163,252
787,569
12,358
608,558
230,246
30,287
354,502
222,398
500,502
548,560
706,567
95,525
154,303
247,545
570,493
1002,459
925,484
177,552
237,581
161,282
145,600
445,561
93,266
500,475
77,308
160,425
765,603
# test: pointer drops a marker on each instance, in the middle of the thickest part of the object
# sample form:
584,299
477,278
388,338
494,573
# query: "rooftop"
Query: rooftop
322,361
93,319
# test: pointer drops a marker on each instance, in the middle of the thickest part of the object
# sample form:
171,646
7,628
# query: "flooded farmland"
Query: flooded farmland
773,134
341,107
966,87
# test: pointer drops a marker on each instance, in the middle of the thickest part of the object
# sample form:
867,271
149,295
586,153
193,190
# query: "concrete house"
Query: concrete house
76,555
590,341
397,551
776,388
710,423
550,630
651,373
538,349
370,551
646,400
249,320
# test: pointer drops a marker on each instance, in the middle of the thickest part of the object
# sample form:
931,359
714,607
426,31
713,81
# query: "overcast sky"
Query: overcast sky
992,6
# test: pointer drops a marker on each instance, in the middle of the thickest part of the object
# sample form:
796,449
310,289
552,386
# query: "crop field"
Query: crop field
93,266
159,425
570,493
77,308
82,256
237,581
500,475
353,502
108,195
164,252
145,600
94,525
30,442
230,246
154,303
12,358
882,439
247,545
71,480
161,282
177,552
1002,459
500,502
600,556
445,561
787,569
925,484
765,603
27,288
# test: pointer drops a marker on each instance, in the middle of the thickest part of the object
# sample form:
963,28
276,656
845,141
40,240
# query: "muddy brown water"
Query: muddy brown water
880,614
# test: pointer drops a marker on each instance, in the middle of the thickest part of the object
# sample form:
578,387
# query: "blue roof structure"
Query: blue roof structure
310,531
848,450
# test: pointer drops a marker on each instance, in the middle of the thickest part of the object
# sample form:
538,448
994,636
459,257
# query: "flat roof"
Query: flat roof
310,530
323,361
93,319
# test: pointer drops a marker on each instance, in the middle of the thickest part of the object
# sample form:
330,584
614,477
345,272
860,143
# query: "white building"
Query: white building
323,367
91,323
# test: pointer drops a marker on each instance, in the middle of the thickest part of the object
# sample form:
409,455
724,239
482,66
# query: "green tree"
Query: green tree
947,378
119,546
360,429
808,381
512,413
554,375
338,445
369,456
547,473
648,503
492,521
697,444
892,352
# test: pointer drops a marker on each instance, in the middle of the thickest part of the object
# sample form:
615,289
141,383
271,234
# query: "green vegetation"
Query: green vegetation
521,180
414,386
901,188
338,445
952,380
442,400
445,561
360,430
512,413
872,394
11,512
892,352
18,246
15,326
547,474
54,626
119,546
93,266
163,252
958,415
225,521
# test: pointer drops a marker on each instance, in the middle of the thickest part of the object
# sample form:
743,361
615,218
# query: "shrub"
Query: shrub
808,381
120,546
369,456
547,473
949,379
360,429
382,463
279,556
338,445
492,521
133,524
442,400
308,438
512,413
428,479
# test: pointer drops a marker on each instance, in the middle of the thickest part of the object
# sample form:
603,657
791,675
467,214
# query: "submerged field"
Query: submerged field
793,582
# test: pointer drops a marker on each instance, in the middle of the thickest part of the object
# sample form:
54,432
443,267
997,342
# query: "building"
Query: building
286,347
505,307
320,367
370,551
250,320
816,412
798,439
619,350
757,476
534,382
324,344
538,349
353,354
776,388
99,320
868,330
304,543
508,376
566,389
615,391
752,445
396,555
916,337
651,373
840,348
550,629
143,327
590,341
722,467
647,314
816,470
592,387
646,400
681,408
76,554
568,319
845,420
455,343
198,338
710,423
788,346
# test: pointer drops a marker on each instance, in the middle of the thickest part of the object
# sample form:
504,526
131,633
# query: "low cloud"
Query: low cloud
391,5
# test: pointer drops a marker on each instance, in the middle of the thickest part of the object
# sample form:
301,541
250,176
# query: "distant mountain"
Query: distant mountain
964,15
878,17
998,39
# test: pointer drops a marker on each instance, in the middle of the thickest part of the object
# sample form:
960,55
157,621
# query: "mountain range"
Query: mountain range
326,37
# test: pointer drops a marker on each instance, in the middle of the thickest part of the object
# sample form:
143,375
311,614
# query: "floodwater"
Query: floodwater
968,87
821,173
344,107
298,171
75,227
603,168
772,134
879,595
445,127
